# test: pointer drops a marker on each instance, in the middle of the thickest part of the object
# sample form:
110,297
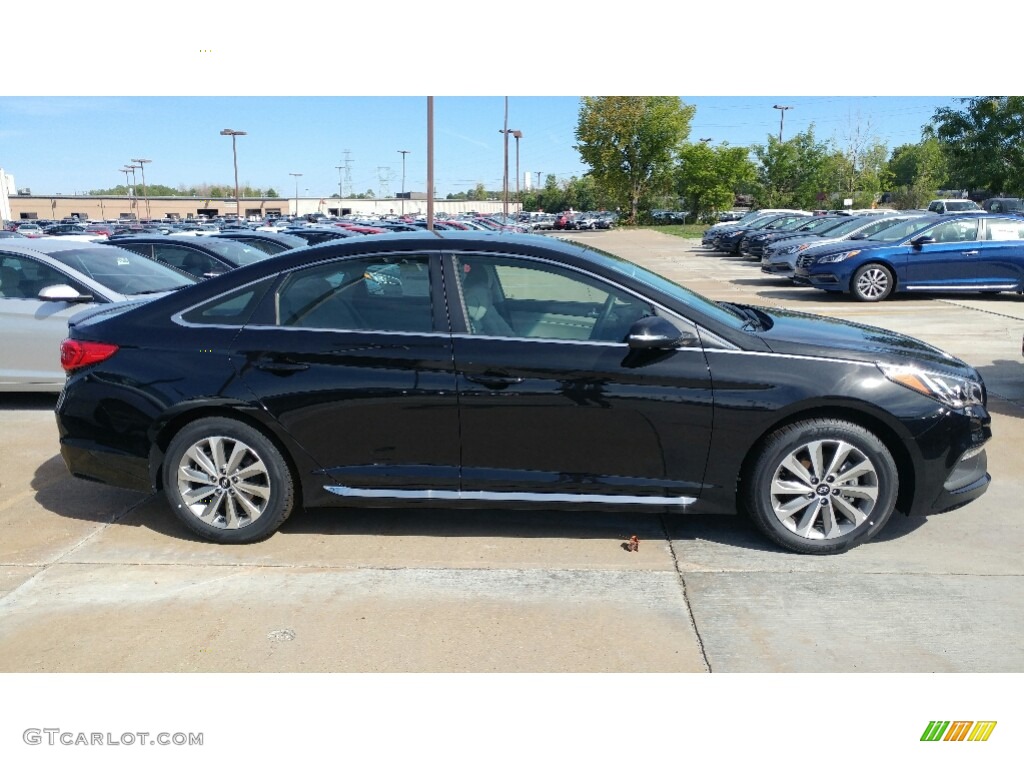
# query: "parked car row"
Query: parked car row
873,257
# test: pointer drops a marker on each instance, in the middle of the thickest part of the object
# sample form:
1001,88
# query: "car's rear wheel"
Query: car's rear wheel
872,282
227,481
821,486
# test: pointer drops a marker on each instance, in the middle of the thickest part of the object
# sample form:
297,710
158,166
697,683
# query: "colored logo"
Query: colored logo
958,730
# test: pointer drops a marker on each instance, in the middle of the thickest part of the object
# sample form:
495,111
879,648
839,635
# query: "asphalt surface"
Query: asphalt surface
99,579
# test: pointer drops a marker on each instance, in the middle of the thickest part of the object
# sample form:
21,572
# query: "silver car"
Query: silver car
46,281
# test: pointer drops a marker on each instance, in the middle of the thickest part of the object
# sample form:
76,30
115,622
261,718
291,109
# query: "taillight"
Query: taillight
78,354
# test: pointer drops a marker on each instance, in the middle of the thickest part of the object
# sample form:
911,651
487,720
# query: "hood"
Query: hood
797,333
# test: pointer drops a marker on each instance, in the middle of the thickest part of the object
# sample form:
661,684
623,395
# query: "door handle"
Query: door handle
969,253
494,381
280,366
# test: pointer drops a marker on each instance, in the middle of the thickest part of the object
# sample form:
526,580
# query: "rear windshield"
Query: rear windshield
237,253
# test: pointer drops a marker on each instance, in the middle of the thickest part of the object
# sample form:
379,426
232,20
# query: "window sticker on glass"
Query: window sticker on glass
1003,232
122,261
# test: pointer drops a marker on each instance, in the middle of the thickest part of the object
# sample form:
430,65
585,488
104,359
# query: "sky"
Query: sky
73,144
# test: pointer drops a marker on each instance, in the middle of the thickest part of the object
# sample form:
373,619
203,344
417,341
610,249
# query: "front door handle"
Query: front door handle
969,253
275,365
494,381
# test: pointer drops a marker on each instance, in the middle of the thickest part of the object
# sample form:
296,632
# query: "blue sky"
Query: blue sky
65,144
314,85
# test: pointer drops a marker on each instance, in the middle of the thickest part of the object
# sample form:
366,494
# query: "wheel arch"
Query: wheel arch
877,262
182,419
883,431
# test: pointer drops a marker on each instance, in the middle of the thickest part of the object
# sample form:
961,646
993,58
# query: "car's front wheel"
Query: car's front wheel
821,486
227,481
872,282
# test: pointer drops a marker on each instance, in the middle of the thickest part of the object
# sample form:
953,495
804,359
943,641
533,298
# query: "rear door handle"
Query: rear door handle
969,253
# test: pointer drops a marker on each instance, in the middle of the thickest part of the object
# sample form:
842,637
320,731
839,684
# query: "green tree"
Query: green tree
631,143
800,172
708,178
917,171
983,143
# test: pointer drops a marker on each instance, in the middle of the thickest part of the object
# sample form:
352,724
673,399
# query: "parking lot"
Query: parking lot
99,579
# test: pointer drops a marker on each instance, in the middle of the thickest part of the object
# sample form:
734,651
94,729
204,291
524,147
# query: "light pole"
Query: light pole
133,201
518,135
341,192
234,154
403,153
142,167
296,175
127,188
782,114
504,178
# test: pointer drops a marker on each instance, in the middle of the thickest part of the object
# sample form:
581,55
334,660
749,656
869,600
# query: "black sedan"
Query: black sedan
198,255
474,369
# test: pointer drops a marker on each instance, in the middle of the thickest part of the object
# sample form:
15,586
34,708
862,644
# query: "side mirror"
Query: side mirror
920,240
654,333
63,292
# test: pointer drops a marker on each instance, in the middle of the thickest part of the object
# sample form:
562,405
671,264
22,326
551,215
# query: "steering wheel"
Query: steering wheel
603,316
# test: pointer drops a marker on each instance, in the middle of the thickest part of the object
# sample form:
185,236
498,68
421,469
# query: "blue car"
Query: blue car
948,253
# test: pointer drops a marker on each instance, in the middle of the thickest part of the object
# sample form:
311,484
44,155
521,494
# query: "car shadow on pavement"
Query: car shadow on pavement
57,492
28,401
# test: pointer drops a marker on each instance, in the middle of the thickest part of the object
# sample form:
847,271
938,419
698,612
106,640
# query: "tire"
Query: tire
872,282
227,482
821,486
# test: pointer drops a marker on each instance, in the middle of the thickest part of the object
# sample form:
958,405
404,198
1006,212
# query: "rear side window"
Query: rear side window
1004,229
375,293
234,308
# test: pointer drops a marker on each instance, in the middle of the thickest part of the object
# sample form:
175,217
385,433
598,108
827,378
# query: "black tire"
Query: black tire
802,511
227,481
872,282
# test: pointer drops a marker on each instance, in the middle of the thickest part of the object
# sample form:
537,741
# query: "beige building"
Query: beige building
101,208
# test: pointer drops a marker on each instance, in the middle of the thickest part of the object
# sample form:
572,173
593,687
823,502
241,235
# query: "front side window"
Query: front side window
963,230
374,293
22,278
525,299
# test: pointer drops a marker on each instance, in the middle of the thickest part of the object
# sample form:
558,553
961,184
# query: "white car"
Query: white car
46,281
956,205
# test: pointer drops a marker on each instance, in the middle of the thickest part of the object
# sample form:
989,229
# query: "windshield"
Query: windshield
122,271
800,223
961,205
902,230
666,286
878,226
847,227
819,224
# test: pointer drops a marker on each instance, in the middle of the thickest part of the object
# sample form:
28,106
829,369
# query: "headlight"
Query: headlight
954,391
832,259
